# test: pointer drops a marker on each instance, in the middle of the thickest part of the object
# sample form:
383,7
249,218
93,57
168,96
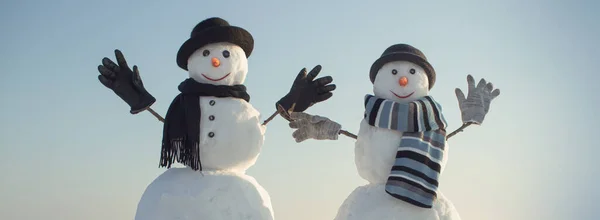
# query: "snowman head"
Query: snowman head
216,53
401,81
402,74
219,64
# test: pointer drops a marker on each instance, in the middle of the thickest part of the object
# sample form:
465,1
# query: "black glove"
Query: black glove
125,83
306,91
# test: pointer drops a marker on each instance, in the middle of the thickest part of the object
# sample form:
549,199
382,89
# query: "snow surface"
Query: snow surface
372,202
238,134
184,194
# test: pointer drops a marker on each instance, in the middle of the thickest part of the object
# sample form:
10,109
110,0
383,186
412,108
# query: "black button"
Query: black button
211,134
212,117
212,102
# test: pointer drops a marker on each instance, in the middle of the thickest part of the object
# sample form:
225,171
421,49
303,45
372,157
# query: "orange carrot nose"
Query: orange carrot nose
215,62
403,81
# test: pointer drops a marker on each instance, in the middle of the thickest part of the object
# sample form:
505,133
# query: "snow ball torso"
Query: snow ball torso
375,152
231,135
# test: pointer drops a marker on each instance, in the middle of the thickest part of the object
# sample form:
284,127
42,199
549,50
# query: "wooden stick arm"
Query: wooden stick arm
280,111
160,118
271,117
460,129
344,132
286,115
351,135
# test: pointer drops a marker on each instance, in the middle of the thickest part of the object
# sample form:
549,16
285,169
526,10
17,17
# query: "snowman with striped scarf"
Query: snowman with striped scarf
401,148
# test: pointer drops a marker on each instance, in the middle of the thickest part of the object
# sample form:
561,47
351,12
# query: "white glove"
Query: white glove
477,104
313,126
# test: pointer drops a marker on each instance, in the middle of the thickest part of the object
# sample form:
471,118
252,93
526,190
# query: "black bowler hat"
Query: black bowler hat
403,52
214,30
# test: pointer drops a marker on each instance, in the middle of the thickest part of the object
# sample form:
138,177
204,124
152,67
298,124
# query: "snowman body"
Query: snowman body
182,193
231,137
375,153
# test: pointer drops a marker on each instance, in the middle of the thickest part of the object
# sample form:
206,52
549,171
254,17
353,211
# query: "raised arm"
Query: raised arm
305,92
127,84
475,106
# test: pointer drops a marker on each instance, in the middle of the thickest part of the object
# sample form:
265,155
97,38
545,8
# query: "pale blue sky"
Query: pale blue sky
70,150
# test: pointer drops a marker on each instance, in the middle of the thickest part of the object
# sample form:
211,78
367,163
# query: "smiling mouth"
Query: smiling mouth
219,79
402,97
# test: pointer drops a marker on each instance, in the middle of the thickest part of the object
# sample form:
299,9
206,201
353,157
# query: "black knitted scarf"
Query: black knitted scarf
181,132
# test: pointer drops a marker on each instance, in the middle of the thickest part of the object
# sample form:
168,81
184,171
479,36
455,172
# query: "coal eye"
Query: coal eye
412,71
394,71
225,53
205,53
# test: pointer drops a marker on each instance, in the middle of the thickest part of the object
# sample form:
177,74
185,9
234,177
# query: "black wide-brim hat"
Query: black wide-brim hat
403,52
214,30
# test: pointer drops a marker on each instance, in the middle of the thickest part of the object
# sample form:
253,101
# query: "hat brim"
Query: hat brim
403,57
231,34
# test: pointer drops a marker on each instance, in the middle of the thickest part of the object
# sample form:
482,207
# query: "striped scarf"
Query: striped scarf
415,174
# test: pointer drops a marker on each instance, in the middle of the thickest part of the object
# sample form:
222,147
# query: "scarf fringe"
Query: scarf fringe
177,152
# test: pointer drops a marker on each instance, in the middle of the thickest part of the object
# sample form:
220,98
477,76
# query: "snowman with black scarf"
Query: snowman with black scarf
210,127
